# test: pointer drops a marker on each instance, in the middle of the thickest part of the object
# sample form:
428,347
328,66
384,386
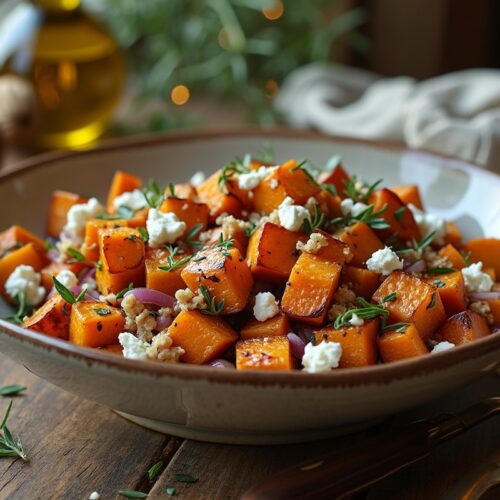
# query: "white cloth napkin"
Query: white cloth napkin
457,114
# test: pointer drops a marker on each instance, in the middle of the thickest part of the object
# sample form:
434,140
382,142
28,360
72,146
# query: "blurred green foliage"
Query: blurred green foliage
226,48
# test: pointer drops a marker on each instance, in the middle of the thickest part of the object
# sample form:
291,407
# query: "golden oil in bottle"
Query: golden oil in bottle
77,71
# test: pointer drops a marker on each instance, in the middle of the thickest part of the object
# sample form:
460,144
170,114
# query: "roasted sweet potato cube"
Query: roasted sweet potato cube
329,204
272,327
91,242
486,250
287,180
334,250
362,241
139,219
121,259
167,281
455,258
358,343
52,318
451,289
191,212
202,337
310,288
416,302
272,252
495,310
454,235
395,345
397,215
361,281
94,324
27,255
269,353
123,182
183,190
338,178
224,273
224,197
15,237
60,204
409,193
463,328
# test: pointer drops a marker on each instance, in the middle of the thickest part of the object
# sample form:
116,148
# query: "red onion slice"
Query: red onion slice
417,267
163,322
297,345
495,329
150,296
484,296
220,363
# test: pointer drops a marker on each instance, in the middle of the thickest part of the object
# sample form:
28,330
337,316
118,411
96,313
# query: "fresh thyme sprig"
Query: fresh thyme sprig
9,447
76,254
366,311
399,327
235,167
369,216
67,294
144,233
214,309
316,222
225,245
174,264
359,190
418,246
153,194
302,166
190,240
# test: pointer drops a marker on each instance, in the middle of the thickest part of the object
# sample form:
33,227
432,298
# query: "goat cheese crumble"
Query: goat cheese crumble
25,280
349,207
384,261
67,278
322,357
356,320
266,306
253,178
133,199
163,228
292,216
133,347
77,218
475,279
314,244
442,346
427,223
197,179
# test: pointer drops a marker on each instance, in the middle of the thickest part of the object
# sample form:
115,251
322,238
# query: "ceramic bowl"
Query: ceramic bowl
248,407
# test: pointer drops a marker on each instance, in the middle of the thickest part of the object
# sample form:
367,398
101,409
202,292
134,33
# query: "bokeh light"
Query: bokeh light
275,12
180,95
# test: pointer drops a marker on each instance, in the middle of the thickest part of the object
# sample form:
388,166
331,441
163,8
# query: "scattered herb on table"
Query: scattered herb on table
171,491
155,470
11,390
132,494
184,478
10,447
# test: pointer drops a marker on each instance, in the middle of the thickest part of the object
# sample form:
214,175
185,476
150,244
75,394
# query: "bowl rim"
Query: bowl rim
380,373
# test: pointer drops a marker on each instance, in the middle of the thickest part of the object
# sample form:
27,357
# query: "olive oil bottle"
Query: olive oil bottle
77,72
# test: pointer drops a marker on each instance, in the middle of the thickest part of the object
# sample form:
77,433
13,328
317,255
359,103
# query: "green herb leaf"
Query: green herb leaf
398,214
184,478
467,256
153,194
432,303
359,191
189,238
229,171
76,254
9,447
121,293
418,247
366,311
144,233
225,245
23,309
214,309
171,491
302,166
390,298
399,327
155,470
440,270
249,230
102,311
67,294
439,283
132,494
11,390
173,264
171,190
98,265
314,223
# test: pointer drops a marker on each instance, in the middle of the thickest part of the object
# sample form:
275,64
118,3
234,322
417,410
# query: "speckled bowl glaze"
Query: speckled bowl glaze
248,407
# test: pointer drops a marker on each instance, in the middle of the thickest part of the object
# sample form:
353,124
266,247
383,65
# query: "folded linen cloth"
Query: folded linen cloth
457,114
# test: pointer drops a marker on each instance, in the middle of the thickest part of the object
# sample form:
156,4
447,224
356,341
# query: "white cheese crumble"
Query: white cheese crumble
384,261
94,496
25,280
292,216
67,278
475,279
133,347
356,320
442,346
77,218
253,178
427,223
349,207
134,200
273,183
315,243
266,306
163,228
322,357
197,179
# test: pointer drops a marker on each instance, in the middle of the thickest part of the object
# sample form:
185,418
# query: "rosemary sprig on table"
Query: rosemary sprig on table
11,390
214,309
10,447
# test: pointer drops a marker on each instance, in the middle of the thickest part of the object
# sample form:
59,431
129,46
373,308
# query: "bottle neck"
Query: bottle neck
58,5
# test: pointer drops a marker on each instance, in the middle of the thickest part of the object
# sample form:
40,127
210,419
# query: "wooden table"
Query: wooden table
76,447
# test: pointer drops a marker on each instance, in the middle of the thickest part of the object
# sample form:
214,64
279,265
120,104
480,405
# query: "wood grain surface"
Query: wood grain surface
76,447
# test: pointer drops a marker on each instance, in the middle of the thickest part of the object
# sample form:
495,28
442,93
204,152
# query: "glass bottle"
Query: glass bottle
75,66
